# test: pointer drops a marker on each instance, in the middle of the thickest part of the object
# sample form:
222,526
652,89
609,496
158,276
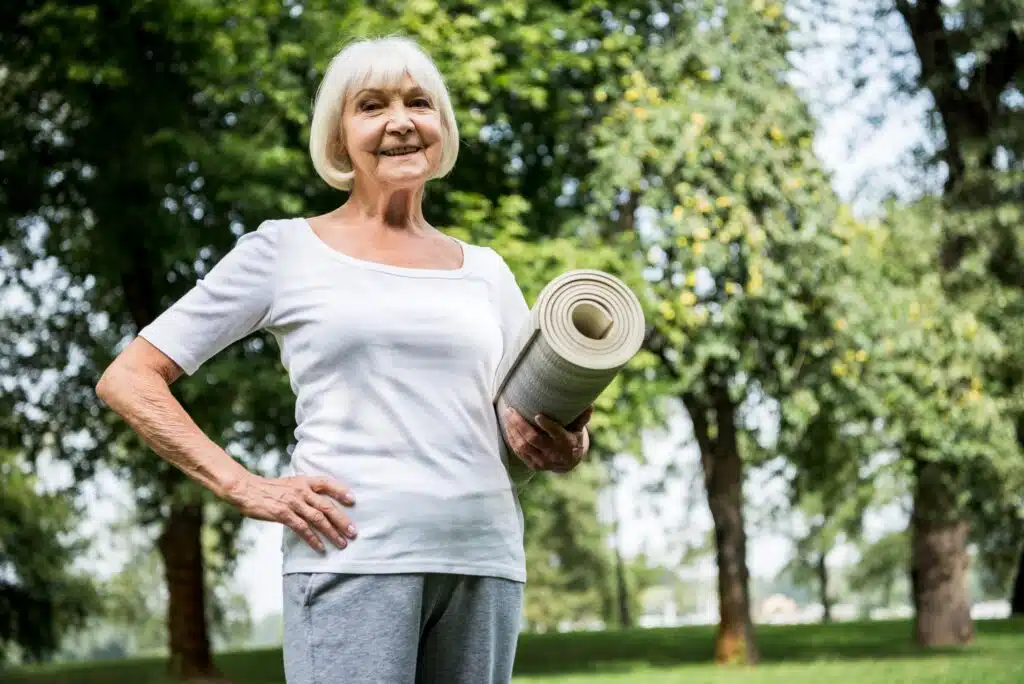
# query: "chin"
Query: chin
406,177
410,180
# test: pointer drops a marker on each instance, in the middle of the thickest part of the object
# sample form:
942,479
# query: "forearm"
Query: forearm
144,400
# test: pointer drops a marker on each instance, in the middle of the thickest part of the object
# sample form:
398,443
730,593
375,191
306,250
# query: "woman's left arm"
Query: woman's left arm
551,446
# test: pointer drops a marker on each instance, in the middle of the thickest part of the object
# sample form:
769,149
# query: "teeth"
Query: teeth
399,150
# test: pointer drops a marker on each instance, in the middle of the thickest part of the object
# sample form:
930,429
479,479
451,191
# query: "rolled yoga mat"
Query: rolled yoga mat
583,329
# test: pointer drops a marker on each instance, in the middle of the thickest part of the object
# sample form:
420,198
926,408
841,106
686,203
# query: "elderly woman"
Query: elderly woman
403,536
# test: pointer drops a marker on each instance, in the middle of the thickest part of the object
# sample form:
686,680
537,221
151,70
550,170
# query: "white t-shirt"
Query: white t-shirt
393,370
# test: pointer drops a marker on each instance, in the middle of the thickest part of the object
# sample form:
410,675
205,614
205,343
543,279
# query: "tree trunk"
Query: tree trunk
939,562
181,548
723,480
622,590
1017,597
826,602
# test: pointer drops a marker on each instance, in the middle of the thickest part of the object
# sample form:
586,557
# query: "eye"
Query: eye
367,105
420,102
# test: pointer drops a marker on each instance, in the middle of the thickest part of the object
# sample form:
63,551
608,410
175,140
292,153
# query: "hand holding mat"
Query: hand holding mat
583,329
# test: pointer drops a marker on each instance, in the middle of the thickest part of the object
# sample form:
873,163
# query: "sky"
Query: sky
657,524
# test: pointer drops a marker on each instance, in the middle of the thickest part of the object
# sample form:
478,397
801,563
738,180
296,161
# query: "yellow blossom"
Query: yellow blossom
976,384
776,133
838,369
723,202
698,119
667,311
600,95
732,288
861,356
677,212
653,94
701,233
640,113
698,248
632,95
755,284
687,298
691,279
840,324
974,395
718,155
703,206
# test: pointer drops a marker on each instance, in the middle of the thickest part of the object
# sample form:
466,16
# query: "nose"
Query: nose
399,123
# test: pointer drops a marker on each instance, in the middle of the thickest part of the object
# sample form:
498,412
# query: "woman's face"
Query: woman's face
393,136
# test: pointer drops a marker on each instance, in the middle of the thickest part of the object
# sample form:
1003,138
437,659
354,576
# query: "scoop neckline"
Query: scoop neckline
394,269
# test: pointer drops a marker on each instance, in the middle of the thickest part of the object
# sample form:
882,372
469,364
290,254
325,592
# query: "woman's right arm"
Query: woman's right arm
137,387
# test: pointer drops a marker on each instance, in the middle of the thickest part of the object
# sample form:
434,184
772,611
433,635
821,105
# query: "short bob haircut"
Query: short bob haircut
382,63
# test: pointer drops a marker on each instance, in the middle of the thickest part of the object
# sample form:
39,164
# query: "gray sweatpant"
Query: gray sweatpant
400,628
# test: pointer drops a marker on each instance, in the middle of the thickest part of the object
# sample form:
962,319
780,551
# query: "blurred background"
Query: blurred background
814,465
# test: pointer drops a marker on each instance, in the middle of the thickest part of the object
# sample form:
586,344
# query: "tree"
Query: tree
968,57
217,147
954,440
42,596
125,237
706,159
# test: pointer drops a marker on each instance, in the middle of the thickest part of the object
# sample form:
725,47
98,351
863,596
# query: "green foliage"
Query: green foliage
927,356
42,595
881,569
735,214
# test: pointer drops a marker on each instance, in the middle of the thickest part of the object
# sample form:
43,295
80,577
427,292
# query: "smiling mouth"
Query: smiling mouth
399,151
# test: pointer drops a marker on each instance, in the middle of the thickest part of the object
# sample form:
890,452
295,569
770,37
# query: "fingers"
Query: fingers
556,431
332,488
527,441
581,421
552,448
311,510
325,516
295,522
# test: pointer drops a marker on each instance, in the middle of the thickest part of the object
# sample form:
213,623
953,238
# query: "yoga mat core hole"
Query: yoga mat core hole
591,320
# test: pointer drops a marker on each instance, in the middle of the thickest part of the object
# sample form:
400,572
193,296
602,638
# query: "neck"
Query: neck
393,208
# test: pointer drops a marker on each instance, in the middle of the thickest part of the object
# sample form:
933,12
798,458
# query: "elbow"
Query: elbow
117,380
105,386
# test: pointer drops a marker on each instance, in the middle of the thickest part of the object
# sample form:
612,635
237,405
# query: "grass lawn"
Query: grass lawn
848,653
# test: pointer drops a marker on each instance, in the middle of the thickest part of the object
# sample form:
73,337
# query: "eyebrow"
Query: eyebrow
415,90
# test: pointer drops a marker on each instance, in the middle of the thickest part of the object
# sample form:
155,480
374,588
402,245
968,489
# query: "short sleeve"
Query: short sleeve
233,300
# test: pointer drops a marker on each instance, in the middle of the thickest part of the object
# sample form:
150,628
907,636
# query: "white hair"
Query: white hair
368,63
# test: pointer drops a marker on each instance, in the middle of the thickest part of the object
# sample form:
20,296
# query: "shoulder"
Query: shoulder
268,233
268,240
488,260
